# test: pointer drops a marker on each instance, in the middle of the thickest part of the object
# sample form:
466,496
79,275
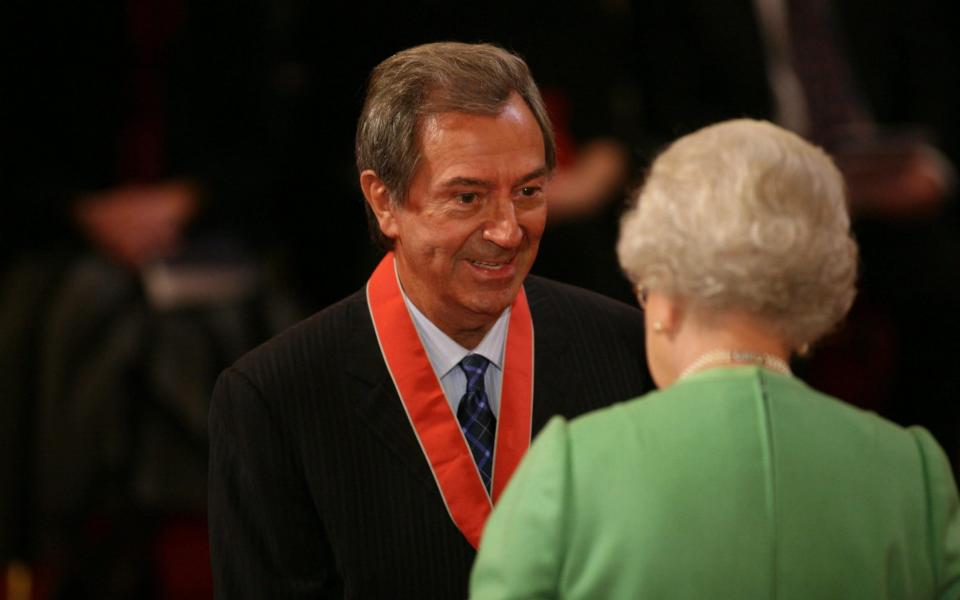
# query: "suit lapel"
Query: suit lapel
374,397
376,403
553,372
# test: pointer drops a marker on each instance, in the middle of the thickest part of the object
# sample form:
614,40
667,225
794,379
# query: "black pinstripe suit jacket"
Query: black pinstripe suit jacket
318,487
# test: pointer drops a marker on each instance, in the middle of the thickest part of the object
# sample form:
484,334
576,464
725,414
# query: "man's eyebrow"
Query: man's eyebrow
535,174
483,183
466,182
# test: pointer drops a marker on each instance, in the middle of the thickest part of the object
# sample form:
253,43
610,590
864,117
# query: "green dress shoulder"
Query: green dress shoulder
733,483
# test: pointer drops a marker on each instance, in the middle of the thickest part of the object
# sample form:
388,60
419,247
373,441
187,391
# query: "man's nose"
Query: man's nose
503,229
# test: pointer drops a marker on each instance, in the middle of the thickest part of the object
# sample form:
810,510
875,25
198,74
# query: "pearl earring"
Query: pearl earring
657,326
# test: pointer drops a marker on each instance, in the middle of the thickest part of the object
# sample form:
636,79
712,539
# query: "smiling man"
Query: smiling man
359,453
468,231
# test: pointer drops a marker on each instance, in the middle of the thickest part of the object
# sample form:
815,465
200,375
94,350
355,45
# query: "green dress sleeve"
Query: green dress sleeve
943,515
523,544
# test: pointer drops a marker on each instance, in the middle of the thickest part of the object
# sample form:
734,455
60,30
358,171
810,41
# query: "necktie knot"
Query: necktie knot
474,366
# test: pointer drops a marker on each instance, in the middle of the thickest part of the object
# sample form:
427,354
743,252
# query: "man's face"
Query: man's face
469,231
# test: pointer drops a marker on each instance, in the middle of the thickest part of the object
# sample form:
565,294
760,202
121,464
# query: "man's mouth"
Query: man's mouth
493,266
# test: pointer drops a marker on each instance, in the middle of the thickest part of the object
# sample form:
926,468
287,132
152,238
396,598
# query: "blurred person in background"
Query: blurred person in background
735,479
138,175
876,85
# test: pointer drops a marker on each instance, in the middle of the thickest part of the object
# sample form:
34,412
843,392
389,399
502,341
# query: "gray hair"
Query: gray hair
744,215
430,79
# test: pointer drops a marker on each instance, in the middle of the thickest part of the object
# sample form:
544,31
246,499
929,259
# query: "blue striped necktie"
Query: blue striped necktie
476,417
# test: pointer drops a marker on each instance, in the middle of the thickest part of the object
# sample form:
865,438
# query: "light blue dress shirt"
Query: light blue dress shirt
446,354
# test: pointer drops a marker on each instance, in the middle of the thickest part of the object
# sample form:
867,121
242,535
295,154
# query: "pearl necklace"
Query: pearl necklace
718,357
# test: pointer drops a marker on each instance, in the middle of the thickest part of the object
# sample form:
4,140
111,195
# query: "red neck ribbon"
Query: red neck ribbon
433,421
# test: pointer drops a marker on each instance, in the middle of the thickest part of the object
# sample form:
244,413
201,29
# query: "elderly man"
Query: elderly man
359,453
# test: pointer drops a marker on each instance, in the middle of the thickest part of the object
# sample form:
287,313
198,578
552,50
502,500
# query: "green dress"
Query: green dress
732,483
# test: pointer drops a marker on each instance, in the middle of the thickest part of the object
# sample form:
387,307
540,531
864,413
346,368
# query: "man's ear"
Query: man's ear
378,198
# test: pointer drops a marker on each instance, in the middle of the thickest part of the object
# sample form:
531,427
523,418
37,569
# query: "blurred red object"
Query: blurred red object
182,560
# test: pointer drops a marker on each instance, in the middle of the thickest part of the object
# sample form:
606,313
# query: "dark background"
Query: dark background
253,104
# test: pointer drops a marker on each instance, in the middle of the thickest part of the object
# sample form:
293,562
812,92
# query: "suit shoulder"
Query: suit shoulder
313,340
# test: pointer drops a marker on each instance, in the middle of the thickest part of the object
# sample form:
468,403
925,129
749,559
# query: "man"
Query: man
358,454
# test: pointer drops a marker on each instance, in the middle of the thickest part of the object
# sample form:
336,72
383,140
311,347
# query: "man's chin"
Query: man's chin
492,303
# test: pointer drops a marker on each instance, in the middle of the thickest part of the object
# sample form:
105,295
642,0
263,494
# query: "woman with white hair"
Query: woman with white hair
735,479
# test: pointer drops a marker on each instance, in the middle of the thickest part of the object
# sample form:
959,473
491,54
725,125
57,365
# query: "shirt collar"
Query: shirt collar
444,353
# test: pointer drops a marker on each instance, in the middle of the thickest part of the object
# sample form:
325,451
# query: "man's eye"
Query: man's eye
530,190
467,197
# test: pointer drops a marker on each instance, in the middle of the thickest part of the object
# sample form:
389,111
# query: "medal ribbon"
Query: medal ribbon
433,422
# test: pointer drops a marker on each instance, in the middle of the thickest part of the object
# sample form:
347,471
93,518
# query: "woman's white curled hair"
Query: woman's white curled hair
744,215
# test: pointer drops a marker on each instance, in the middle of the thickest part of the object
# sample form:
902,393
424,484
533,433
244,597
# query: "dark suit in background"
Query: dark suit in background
340,500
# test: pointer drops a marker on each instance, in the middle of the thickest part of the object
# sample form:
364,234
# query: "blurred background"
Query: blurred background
178,186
